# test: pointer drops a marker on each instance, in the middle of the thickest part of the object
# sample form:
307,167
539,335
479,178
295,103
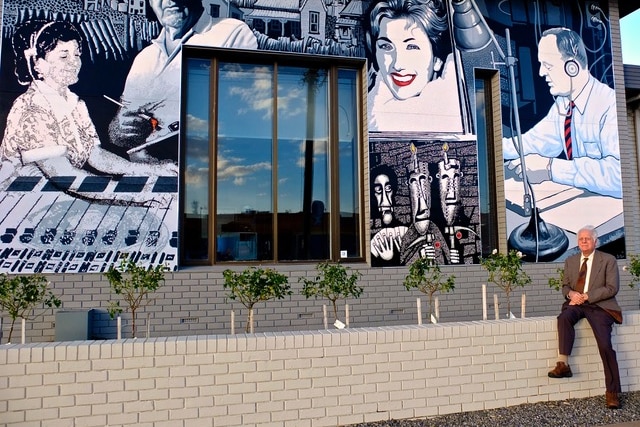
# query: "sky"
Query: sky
630,34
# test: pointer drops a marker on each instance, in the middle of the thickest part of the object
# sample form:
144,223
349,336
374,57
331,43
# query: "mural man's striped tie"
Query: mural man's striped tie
567,131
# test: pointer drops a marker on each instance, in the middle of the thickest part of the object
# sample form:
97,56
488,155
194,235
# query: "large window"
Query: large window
272,158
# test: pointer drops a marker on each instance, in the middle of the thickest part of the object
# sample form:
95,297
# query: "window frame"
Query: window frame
314,22
493,146
333,64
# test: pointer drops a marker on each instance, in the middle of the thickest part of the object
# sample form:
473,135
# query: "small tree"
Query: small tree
555,282
333,282
634,269
20,295
134,284
425,276
254,285
506,272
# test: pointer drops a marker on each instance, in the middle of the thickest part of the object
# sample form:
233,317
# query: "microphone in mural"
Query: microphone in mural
536,239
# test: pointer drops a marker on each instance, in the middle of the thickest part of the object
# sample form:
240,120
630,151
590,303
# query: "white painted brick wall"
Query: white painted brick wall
309,378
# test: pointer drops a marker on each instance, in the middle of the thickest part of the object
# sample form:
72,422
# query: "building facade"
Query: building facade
215,135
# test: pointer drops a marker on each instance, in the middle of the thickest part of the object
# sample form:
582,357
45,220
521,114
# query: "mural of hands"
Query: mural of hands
386,243
131,128
538,168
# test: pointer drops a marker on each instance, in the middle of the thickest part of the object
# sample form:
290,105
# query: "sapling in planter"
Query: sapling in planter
425,276
134,284
21,295
333,282
254,285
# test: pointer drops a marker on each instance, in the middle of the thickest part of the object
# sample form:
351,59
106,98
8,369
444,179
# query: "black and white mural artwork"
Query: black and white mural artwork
90,113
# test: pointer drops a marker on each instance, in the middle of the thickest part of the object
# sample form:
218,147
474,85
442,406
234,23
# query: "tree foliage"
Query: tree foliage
555,282
21,295
253,285
505,271
425,276
133,284
332,282
634,269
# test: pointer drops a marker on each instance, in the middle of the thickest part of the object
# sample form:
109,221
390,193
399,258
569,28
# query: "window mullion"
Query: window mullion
274,165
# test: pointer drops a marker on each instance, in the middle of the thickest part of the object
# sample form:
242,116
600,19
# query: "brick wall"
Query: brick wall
193,302
312,378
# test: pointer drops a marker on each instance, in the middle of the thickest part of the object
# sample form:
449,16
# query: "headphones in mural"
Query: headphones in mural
32,50
571,67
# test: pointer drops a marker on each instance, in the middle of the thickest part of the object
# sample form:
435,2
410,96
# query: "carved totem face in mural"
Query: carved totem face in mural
405,57
449,175
420,193
383,192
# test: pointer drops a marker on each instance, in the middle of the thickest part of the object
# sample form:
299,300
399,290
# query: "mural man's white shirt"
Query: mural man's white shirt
155,73
596,163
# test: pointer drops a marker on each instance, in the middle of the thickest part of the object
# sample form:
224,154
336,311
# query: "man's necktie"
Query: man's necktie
568,143
582,276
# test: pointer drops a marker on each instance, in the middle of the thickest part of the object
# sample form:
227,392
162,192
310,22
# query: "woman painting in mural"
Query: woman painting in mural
413,77
48,126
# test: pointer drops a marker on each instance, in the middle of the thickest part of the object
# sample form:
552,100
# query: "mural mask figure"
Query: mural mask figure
383,190
420,193
449,175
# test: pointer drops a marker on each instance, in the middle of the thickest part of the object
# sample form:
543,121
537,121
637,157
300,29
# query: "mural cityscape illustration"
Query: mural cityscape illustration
90,121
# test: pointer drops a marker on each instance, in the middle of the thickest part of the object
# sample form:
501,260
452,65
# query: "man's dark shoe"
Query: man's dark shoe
562,370
612,400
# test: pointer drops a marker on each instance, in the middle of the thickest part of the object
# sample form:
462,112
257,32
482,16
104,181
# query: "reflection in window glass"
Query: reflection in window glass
244,212
285,139
348,164
303,169
196,175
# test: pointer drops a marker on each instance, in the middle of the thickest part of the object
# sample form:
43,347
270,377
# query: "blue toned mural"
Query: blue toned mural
559,119
90,121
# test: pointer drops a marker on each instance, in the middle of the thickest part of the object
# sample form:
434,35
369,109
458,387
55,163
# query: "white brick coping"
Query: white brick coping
312,378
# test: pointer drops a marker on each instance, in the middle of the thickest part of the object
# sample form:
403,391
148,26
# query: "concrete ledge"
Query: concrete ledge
313,378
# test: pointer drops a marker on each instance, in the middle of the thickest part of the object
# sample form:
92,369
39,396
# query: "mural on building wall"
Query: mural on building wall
90,130
90,118
423,201
555,65
558,112
423,157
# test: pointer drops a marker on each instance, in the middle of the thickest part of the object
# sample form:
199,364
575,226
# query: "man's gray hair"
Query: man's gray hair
570,45
591,230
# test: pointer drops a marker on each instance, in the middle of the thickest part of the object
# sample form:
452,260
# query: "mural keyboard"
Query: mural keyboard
85,224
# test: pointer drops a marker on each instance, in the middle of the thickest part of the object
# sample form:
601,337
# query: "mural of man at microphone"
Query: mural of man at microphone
576,143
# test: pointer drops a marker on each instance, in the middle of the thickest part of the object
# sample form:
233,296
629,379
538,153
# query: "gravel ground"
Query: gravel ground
585,412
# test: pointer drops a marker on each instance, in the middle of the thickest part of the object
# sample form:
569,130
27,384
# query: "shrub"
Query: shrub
505,271
333,282
254,285
134,284
634,269
425,276
20,295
